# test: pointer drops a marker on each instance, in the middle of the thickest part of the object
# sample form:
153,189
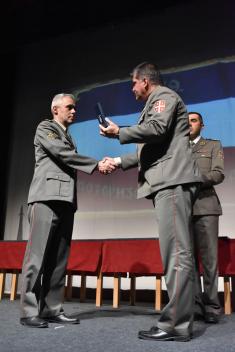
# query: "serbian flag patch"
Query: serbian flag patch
159,106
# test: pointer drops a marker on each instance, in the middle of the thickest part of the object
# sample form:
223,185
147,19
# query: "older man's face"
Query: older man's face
65,111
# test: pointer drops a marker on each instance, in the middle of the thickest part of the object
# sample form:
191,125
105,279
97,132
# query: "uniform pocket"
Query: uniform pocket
57,184
166,157
155,174
204,160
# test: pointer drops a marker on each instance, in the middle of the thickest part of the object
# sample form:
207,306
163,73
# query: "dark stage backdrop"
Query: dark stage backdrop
94,63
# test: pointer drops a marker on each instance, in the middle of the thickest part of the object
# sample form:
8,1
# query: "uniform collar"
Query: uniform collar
196,140
62,126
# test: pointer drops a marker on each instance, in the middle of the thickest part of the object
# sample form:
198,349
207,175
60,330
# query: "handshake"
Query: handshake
107,165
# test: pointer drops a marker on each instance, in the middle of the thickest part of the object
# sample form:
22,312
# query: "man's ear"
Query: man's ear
54,110
146,83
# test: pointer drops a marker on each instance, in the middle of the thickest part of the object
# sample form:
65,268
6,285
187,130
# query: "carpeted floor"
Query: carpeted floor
107,330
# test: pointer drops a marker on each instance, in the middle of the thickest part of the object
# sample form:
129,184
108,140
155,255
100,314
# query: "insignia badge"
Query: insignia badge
159,106
52,135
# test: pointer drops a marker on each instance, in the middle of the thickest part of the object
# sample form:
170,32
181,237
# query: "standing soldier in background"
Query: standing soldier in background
208,154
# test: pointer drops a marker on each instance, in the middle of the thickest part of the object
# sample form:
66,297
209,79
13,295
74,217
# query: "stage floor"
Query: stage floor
107,330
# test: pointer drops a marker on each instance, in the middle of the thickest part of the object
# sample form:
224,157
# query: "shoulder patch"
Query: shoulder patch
52,135
159,106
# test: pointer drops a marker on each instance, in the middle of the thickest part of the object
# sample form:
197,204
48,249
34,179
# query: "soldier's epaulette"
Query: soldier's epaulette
210,139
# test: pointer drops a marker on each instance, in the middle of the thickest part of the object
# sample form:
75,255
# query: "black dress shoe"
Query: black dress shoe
199,316
34,322
211,318
156,334
62,319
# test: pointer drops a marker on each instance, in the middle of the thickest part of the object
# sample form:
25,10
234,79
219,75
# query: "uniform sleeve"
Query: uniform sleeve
52,143
129,161
157,121
216,174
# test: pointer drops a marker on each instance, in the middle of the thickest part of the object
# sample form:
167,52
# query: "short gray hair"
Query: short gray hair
58,98
147,70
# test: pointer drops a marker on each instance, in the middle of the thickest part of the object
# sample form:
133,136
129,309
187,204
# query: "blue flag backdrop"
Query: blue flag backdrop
208,89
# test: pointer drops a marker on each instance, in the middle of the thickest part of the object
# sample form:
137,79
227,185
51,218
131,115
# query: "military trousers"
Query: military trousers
174,211
46,256
205,236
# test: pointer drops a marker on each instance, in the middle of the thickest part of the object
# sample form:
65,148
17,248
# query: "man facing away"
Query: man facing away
208,154
52,203
168,176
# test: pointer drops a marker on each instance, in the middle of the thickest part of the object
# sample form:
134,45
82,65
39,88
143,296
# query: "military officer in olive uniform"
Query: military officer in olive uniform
208,154
52,203
169,176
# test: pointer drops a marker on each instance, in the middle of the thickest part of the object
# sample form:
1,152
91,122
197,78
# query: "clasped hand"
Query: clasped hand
107,165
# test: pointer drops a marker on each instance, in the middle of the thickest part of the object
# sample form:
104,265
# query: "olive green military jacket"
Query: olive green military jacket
209,156
56,162
163,156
